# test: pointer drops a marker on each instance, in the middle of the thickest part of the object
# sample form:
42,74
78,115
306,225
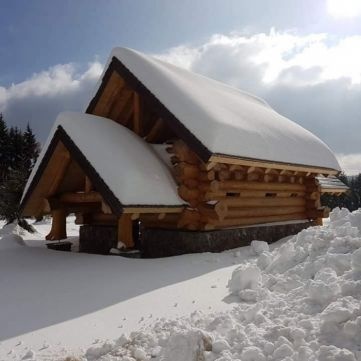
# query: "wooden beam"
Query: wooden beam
88,185
227,223
237,185
144,209
62,167
333,190
125,231
120,102
136,114
270,164
223,206
153,133
260,212
90,197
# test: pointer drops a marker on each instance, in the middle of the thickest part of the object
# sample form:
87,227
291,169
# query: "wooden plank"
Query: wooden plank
143,209
259,212
273,165
222,207
221,195
227,223
238,185
333,190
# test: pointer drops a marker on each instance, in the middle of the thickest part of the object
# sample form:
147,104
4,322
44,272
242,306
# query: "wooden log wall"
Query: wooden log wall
227,195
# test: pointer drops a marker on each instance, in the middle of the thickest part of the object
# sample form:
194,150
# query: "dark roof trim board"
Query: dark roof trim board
182,132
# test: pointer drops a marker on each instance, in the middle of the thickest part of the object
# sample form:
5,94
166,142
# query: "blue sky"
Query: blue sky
301,56
37,34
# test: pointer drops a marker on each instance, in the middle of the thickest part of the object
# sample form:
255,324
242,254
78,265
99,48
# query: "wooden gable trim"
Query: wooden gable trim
61,136
169,118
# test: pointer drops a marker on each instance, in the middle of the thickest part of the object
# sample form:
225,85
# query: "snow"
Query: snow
225,119
128,165
303,304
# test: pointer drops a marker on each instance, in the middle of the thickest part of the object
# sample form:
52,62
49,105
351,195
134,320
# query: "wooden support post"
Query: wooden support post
125,231
58,225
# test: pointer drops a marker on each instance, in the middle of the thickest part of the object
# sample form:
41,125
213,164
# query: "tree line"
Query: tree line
18,153
351,199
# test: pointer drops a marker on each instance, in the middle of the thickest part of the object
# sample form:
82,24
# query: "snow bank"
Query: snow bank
237,123
307,307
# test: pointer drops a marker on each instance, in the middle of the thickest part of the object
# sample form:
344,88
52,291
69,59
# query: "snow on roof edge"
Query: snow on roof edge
313,151
167,188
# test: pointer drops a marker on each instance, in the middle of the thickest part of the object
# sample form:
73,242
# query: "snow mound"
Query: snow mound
307,306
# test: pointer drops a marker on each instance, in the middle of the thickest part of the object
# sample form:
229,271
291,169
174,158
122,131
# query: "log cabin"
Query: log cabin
168,149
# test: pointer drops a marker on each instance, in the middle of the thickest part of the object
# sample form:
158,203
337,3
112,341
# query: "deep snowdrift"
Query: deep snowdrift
298,299
299,302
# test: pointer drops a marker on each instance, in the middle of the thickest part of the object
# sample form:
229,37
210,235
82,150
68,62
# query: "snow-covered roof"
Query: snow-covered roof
226,120
331,183
128,165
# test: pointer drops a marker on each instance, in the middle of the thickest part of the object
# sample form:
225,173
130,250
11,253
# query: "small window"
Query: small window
271,195
232,194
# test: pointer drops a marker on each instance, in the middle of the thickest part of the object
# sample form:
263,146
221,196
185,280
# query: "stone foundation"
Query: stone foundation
97,239
164,242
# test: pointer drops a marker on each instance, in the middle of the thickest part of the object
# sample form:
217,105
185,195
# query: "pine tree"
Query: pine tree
4,150
30,149
22,150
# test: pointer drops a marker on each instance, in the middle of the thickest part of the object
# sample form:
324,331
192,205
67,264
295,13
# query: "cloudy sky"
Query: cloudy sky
303,57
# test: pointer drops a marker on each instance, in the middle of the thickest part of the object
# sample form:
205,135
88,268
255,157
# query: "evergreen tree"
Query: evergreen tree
4,150
16,144
351,199
31,148
20,153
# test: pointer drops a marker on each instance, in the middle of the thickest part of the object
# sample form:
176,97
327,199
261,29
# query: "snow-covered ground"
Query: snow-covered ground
300,300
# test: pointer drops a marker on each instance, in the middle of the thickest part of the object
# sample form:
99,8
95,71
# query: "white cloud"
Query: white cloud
313,79
350,163
278,52
344,8
41,97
